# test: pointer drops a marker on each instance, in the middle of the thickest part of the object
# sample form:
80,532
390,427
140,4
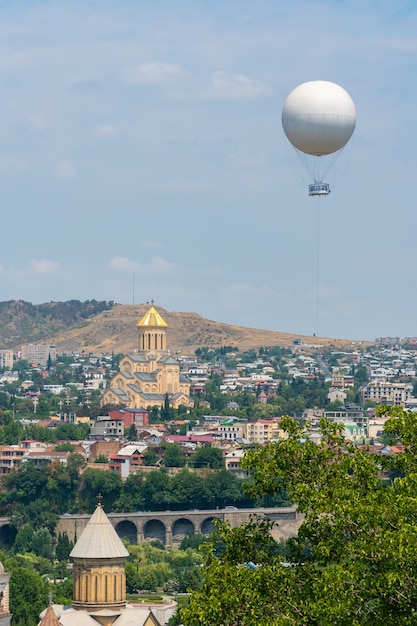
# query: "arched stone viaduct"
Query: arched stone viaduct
170,527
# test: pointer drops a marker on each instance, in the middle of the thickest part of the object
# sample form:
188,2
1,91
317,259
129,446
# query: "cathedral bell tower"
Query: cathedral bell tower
152,332
99,570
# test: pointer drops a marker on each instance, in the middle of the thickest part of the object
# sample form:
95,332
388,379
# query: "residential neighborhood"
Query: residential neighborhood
230,401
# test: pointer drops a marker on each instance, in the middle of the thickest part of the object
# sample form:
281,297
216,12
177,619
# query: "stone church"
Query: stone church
146,376
99,588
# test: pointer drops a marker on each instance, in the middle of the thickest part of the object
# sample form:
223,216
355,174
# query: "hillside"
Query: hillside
96,326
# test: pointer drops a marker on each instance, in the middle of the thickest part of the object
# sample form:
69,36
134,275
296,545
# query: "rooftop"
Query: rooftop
99,540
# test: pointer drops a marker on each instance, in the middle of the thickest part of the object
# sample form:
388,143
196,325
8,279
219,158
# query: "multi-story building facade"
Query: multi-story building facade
232,461
384,392
263,431
6,359
38,353
105,427
11,458
354,414
231,430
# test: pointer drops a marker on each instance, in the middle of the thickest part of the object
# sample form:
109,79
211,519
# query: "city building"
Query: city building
338,380
147,376
6,359
388,393
231,430
128,459
354,414
10,459
106,427
336,393
232,461
99,587
38,353
263,431
138,417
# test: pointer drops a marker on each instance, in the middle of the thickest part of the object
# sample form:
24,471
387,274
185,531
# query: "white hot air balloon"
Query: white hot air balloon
318,118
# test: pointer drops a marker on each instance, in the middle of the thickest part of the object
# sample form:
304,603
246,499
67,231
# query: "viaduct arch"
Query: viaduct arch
170,527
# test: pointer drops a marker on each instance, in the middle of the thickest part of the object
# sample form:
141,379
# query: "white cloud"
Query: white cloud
44,266
237,86
123,264
157,265
152,245
65,169
105,131
152,72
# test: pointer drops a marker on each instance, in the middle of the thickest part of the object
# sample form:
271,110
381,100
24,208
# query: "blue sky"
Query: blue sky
143,139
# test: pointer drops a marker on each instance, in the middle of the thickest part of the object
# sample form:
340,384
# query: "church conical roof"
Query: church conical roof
152,319
99,540
49,619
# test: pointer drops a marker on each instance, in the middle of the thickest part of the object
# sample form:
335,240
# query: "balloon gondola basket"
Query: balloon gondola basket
319,189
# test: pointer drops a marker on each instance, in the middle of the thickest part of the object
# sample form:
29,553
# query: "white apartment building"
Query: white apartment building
38,353
384,392
6,359
232,461
231,430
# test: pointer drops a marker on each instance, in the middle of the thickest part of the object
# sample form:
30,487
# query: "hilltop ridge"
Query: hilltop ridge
100,326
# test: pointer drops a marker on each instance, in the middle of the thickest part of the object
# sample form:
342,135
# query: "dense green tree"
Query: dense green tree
39,513
155,489
153,414
22,366
29,482
263,411
223,488
150,566
62,591
361,376
28,596
13,432
95,482
42,543
76,462
207,456
150,457
166,410
63,547
131,498
173,456
354,560
132,433
24,540
186,490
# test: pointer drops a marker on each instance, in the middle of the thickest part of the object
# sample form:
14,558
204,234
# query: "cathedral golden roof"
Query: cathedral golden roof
152,319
